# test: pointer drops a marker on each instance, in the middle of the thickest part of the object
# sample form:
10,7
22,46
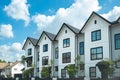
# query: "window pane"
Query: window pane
93,56
99,50
99,56
93,51
117,41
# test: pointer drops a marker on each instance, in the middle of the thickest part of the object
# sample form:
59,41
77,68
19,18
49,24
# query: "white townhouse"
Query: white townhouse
67,39
98,40
30,49
45,44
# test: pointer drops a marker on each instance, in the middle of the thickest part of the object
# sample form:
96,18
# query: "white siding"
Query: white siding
115,29
104,42
28,46
48,53
62,35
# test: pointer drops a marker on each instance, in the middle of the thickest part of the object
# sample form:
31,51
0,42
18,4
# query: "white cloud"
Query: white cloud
11,52
113,14
75,15
6,31
18,9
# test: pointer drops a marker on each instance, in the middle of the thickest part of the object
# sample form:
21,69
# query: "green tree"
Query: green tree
23,59
71,70
45,73
2,61
28,73
106,68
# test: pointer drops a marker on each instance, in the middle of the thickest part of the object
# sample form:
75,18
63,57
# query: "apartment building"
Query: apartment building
97,40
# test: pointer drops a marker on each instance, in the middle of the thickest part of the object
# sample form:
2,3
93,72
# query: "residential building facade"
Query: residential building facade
97,40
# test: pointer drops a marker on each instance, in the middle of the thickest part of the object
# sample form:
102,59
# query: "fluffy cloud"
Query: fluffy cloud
113,14
6,31
75,15
11,52
18,9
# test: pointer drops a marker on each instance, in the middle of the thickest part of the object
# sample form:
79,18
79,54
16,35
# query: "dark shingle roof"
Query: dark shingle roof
50,35
33,40
75,30
90,18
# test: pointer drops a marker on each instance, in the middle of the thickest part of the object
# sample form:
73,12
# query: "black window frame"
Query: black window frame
66,57
96,54
45,47
66,42
92,72
30,51
82,66
115,36
56,68
81,48
63,73
37,69
56,52
45,60
38,56
96,35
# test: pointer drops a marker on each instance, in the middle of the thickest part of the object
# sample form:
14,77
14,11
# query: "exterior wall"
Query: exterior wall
62,35
28,46
115,29
17,69
36,67
48,53
104,42
81,39
55,73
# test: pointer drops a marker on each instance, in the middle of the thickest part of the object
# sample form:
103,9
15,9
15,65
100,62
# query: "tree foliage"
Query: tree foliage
28,73
45,73
71,70
2,61
106,68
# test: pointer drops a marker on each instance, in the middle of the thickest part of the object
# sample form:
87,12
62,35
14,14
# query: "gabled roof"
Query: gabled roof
73,29
51,36
32,40
94,13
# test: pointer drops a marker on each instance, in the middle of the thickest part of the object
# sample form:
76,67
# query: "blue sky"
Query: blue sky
22,18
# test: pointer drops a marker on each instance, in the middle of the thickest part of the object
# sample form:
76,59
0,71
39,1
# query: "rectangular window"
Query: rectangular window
66,42
38,56
82,66
66,57
30,51
29,61
56,53
56,68
117,41
45,47
81,47
96,35
45,60
63,73
37,69
96,53
92,71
